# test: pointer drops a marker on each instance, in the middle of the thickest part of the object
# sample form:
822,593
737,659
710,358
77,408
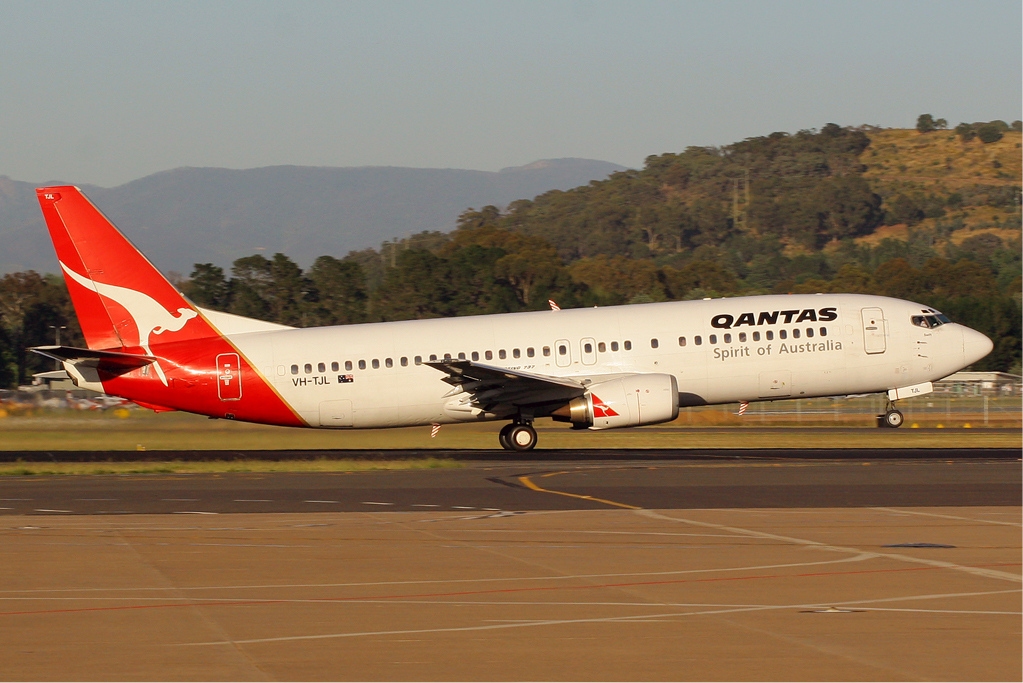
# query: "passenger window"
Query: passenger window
502,354
587,348
601,346
713,339
362,365
348,365
461,355
529,352
388,363
294,369
770,335
681,341
614,346
809,332
433,357
824,331
321,368
795,333
334,367
562,349
699,340
783,334
418,360
404,361
447,356
756,336
475,355
627,345
376,364
546,350
728,339
742,337
308,368
653,343
516,353
489,355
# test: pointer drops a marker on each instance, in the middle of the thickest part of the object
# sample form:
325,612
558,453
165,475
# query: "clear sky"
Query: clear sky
105,92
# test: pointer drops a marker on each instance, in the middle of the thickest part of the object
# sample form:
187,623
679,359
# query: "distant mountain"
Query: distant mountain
195,215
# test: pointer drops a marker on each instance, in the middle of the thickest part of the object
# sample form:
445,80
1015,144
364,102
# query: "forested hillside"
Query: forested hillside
931,215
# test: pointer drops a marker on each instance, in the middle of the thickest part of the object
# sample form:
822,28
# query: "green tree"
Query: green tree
925,123
339,290
989,132
208,287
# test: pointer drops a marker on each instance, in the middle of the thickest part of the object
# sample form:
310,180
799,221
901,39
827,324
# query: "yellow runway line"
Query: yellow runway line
528,483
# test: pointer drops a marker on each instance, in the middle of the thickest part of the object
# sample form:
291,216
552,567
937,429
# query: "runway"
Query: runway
574,481
585,569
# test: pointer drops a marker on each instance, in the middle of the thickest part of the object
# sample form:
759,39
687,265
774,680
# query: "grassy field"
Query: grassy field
935,423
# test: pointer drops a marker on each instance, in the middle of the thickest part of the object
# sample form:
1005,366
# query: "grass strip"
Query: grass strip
221,466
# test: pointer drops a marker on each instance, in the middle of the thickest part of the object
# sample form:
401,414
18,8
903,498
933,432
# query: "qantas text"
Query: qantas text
725,321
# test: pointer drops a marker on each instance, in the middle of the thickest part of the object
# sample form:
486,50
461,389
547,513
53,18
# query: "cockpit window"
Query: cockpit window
930,321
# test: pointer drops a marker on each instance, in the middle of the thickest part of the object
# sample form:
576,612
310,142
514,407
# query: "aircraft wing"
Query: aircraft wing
490,386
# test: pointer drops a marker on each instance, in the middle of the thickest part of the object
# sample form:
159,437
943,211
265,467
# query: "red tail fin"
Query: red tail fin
121,299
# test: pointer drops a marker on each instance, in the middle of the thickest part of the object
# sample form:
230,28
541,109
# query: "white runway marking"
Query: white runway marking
976,571
47,510
641,618
194,512
935,514
371,502
320,501
427,582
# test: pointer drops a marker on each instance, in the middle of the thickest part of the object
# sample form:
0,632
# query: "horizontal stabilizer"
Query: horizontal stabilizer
112,360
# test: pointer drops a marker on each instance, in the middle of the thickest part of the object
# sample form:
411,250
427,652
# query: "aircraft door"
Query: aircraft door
229,377
563,353
588,351
873,330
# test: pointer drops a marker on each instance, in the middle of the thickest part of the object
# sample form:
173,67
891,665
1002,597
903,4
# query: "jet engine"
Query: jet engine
624,402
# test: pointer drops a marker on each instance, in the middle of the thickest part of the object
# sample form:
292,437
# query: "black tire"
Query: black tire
894,419
521,438
502,437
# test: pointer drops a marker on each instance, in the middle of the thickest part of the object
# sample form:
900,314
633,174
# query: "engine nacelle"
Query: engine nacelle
629,401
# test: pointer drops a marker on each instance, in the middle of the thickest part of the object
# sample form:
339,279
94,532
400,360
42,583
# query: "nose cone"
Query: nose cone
975,346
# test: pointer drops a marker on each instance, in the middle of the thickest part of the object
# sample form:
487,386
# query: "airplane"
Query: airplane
596,368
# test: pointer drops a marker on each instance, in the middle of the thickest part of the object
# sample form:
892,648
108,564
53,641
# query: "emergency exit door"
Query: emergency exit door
873,330
229,377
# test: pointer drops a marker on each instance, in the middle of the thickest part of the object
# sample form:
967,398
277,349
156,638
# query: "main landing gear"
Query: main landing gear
892,418
518,436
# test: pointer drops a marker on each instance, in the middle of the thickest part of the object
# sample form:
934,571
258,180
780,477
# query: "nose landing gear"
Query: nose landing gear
517,436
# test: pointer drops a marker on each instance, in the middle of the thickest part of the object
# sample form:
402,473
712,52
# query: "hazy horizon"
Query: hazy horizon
102,93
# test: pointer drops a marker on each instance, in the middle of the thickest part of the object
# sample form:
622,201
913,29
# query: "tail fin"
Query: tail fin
121,299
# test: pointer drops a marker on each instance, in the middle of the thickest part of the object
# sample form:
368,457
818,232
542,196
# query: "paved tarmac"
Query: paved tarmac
653,569
722,481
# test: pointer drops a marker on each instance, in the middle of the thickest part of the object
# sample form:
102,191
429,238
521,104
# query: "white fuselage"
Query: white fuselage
719,351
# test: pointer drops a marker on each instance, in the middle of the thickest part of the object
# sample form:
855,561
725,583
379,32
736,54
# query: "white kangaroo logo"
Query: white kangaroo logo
149,314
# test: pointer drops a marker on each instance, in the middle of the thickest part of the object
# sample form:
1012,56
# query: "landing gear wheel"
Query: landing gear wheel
502,436
521,437
893,419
